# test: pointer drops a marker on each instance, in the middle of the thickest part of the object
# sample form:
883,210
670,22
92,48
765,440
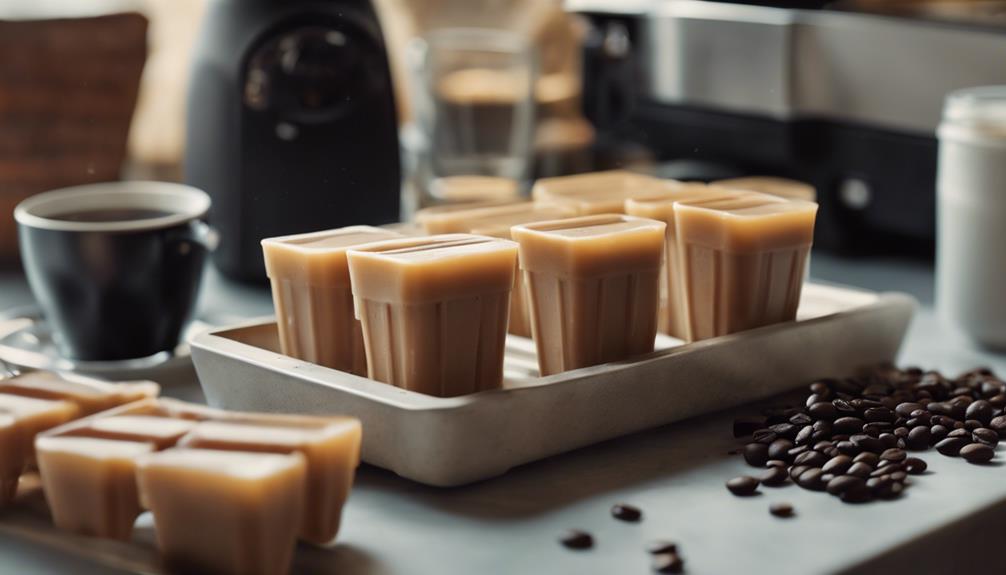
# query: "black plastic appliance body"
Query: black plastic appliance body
291,123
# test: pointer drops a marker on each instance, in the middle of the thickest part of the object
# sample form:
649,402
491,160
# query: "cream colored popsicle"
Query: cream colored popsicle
456,218
224,512
332,449
594,288
475,189
434,311
598,192
12,457
673,314
782,187
312,296
162,432
742,261
90,484
90,395
33,416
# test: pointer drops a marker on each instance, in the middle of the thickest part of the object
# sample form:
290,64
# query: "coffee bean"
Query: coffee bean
823,411
787,430
811,458
859,470
745,426
907,409
860,494
756,454
779,449
986,436
811,479
796,470
915,466
896,455
889,440
889,490
972,424
743,485
901,432
804,435
959,433
764,436
794,451
977,453
843,483
899,476
774,476
980,410
820,388
871,459
826,477
848,448
801,419
822,446
998,424
945,421
781,509
837,465
843,406
668,563
937,433
776,463
867,443
661,546
940,408
626,512
951,446
877,483
848,425
576,539
879,414
918,438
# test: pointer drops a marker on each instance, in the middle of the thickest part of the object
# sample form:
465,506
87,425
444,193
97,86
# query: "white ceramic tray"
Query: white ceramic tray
452,441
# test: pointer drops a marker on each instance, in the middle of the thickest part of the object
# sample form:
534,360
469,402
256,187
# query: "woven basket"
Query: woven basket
67,93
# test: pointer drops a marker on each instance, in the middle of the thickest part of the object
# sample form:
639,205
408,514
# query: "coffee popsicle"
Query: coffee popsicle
434,311
456,218
598,192
593,284
742,261
313,299
782,187
224,512
673,314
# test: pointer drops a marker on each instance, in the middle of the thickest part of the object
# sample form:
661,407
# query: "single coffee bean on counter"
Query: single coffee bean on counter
668,563
977,453
951,446
661,546
576,539
781,509
626,512
743,485
915,466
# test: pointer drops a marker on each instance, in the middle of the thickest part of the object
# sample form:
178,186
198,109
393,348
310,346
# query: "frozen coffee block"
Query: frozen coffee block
33,416
782,187
224,512
90,395
332,451
742,261
598,192
313,300
456,218
594,286
90,484
434,311
673,318
162,432
475,189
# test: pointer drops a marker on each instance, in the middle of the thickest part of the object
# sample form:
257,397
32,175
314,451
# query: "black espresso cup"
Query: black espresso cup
115,267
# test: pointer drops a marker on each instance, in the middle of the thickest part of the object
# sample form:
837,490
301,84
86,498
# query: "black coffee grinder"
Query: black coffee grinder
291,123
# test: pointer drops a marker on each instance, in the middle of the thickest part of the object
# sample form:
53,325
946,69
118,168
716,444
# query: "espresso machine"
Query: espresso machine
292,124
846,96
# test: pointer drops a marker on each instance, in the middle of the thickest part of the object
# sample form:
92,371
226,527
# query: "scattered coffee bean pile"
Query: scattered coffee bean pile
852,436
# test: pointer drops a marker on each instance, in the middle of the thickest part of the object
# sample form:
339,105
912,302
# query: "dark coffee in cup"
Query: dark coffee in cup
115,267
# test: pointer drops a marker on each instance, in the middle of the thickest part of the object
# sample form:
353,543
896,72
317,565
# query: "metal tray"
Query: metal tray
453,441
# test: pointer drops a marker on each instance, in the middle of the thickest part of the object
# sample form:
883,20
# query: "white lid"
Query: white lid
975,113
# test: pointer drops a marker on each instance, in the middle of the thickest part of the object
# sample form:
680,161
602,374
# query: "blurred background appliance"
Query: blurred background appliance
846,96
291,123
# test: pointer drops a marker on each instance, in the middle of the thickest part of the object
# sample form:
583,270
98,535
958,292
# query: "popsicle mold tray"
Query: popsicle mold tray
453,441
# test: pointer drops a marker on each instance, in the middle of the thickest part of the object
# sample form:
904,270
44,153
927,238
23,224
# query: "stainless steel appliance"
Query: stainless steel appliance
846,99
